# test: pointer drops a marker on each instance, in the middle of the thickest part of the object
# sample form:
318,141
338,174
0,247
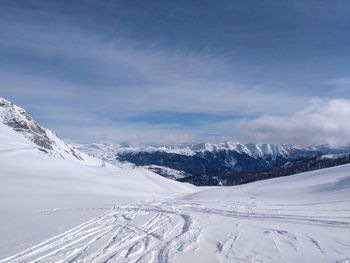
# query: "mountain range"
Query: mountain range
212,164
226,163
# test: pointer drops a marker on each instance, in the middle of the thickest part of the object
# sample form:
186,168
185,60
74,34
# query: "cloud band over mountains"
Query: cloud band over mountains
323,121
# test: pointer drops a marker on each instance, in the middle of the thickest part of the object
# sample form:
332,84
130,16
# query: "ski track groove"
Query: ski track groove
157,232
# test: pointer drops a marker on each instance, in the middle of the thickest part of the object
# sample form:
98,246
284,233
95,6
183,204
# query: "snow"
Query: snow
166,171
43,195
35,135
56,209
109,151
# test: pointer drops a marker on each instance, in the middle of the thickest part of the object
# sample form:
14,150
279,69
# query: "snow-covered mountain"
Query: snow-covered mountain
203,162
253,150
31,134
47,186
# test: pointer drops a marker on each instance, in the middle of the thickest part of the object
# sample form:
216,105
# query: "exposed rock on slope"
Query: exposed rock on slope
22,122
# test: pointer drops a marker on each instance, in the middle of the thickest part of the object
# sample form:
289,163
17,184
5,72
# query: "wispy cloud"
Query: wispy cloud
105,83
96,81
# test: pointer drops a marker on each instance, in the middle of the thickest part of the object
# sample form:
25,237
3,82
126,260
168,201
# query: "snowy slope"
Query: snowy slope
301,218
19,120
46,186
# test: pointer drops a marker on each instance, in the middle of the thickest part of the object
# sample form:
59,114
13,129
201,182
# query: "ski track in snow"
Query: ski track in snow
162,231
127,233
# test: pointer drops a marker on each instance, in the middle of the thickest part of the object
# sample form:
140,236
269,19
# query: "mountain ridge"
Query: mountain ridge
15,118
209,160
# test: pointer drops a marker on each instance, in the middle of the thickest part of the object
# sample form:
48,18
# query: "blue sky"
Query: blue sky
177,71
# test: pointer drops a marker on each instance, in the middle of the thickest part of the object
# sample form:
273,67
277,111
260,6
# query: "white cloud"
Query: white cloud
323,121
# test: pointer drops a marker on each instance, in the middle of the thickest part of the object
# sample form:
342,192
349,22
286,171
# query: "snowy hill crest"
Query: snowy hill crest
19,120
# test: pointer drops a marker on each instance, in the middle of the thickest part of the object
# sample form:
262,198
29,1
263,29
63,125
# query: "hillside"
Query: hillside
300,218
47,186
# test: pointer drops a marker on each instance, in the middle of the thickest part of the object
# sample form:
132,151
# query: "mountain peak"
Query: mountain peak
4,102
18,120
21,121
